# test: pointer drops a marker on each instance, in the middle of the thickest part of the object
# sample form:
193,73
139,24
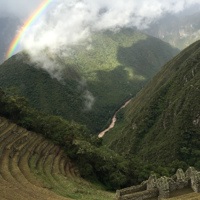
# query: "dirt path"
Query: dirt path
114,119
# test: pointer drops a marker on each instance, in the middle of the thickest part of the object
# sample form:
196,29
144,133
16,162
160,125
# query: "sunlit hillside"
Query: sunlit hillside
95,82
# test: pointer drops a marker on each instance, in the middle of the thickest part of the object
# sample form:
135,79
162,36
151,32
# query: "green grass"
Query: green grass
71,187
36,181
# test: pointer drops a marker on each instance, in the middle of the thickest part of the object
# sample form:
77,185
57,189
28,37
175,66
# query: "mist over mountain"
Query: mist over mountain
180,30
189,11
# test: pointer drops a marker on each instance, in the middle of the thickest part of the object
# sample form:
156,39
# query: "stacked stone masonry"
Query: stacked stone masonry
161,187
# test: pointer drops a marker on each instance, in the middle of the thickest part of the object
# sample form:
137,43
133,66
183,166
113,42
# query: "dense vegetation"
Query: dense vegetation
94,82
161,124
95,161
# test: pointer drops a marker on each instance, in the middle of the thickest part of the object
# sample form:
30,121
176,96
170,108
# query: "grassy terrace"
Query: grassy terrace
33,168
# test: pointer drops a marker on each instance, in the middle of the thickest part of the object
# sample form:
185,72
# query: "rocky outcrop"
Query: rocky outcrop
161,187
196,121
152,182
195,181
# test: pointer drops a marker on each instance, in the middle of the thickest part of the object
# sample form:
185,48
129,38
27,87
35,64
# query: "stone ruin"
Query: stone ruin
161,187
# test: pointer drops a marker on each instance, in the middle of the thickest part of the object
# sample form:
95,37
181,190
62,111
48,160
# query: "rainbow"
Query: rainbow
26,25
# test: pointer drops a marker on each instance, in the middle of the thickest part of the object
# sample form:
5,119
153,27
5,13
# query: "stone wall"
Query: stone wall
133,189
161,187
146,194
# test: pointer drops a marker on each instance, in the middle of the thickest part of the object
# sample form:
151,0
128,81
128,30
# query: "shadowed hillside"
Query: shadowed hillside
161,124
179,31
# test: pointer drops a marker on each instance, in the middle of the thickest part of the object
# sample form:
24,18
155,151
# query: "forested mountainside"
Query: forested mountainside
43,149
7,33
179,31
46,164
94,82
161,124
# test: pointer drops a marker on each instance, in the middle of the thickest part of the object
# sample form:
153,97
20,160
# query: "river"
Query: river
114,119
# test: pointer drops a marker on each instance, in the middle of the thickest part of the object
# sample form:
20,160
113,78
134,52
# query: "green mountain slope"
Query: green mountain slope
161,124
95,82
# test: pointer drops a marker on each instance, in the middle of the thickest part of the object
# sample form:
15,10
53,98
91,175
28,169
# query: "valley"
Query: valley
79,145
99,100
94,83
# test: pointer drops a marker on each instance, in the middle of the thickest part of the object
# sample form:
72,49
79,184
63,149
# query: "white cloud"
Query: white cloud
69,22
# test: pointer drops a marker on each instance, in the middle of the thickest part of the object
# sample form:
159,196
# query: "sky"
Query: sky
142,8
